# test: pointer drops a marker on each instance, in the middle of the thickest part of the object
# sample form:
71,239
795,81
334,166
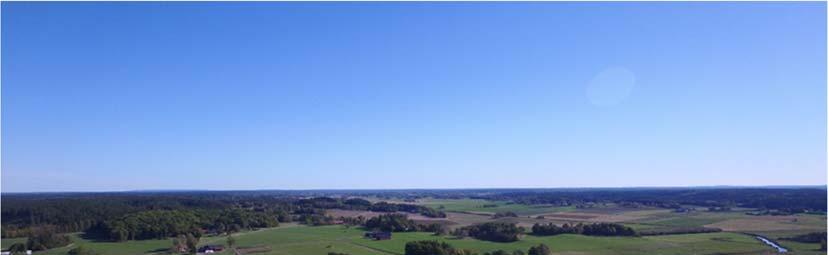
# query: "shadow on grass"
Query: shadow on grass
159,250
95,237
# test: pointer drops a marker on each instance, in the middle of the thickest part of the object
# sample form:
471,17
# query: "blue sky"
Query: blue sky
120,96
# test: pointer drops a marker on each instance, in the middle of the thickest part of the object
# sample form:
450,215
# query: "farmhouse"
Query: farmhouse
376,235
683,210
211,249
28,252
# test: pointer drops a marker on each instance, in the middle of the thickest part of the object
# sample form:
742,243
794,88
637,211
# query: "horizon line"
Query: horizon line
824,186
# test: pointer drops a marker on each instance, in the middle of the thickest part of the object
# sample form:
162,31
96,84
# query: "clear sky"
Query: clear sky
103,96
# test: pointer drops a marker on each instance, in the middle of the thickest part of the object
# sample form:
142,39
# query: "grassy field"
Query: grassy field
303,240
320,240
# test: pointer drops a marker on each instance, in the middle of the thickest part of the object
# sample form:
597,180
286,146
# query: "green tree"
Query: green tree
179,244
221,228
234,228
493,231
46,238
192,243
231,241
18,248
541,249
428,247
393,222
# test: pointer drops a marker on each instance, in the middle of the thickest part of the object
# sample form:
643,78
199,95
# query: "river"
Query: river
772,244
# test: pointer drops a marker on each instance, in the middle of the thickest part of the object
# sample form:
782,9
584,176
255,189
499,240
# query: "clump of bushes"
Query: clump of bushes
394,222
46,238
504,214
80,250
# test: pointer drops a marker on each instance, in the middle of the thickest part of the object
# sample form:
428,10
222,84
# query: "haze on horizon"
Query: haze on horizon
239,96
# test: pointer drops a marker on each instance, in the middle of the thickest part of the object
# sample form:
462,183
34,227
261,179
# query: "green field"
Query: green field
320,240
303,240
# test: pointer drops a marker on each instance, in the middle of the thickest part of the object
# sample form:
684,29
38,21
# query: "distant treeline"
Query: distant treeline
678,230
815,237
794,200
790,198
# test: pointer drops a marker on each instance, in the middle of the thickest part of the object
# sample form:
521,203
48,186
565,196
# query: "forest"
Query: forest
123,217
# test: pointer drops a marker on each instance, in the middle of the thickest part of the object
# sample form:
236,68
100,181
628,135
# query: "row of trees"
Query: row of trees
433,247
594,229
491,231
794,200
815,237
678,231
504,215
